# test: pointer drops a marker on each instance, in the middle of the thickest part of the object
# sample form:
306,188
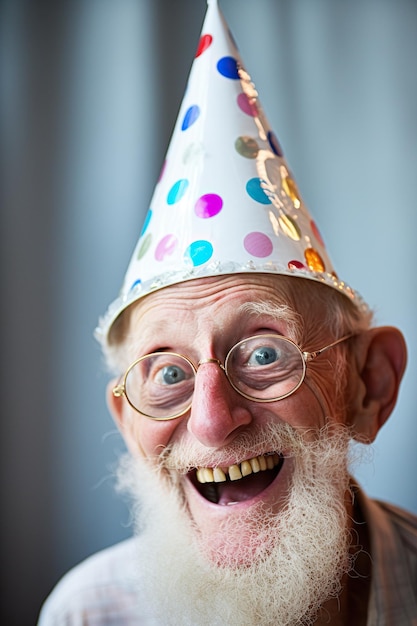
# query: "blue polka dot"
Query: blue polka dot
135,284
177,191
256,192
191,115
148,218
227,66
199,252
274,143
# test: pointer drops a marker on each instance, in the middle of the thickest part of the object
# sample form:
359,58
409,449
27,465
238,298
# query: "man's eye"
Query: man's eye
265,355
170,374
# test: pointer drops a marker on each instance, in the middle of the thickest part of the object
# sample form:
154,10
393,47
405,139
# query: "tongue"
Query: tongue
245,488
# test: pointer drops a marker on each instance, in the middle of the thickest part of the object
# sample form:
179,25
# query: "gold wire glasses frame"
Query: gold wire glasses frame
286,373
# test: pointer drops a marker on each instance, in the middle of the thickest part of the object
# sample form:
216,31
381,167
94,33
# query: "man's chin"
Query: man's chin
237,533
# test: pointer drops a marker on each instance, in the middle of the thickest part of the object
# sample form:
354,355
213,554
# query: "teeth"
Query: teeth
208,475
262,463
245,468
235,472
219,475
270,462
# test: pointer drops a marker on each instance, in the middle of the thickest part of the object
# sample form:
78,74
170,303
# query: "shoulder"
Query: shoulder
393,547
99,590
388,520
404,522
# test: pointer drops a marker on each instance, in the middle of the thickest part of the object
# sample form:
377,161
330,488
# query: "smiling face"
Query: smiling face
237,494
229,466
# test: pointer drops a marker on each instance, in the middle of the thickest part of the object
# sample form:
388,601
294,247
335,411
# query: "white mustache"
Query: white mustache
182,457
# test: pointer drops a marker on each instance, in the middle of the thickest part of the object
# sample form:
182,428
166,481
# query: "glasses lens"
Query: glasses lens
160,385
265,367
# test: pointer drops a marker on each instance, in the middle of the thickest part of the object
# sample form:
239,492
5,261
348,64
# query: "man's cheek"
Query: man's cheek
150,438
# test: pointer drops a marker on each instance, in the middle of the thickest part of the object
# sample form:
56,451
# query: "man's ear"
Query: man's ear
381,357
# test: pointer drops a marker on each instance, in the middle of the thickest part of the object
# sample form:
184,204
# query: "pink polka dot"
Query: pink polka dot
208,205
247,105
316,232
258,244
165,247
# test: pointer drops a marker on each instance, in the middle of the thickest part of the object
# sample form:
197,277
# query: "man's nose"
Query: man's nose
218,412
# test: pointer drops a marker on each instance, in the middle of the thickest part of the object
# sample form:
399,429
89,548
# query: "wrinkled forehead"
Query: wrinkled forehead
229,299
211,311
218,292
310,301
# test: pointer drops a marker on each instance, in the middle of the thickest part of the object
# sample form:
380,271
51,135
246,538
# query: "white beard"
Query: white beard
297,558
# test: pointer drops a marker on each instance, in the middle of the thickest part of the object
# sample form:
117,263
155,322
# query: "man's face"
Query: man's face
244,508
203,319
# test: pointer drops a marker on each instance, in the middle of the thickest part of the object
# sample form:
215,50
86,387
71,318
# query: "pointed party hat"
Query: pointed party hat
226,201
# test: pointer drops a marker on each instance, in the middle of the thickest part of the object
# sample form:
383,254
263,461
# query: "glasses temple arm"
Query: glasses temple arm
309,356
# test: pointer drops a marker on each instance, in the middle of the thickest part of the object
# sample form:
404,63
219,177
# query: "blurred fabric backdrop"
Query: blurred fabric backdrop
90,90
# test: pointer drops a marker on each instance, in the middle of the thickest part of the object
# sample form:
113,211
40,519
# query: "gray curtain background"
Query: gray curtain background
90,90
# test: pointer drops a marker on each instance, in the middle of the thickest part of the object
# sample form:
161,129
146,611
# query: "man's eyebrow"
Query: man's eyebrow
279,312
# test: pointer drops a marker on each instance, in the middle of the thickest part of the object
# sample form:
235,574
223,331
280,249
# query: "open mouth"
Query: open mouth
239,482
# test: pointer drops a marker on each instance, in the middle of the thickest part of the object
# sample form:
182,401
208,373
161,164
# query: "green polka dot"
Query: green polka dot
144,246
247,147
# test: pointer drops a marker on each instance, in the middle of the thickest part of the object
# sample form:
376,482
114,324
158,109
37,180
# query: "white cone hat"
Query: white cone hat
226,201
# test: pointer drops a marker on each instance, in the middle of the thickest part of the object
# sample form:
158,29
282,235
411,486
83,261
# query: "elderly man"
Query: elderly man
244,369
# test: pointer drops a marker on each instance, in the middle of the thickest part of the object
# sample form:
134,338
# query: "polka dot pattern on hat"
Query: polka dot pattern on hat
177,191
199,252
191,116
247,105
208,205
225,200
228,67
276,189
203,44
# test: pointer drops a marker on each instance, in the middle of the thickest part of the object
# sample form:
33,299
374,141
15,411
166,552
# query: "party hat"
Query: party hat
226,201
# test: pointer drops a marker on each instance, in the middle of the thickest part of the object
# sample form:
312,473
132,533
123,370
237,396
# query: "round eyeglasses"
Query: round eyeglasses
263,368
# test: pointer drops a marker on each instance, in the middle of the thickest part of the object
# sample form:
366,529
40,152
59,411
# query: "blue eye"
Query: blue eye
172,374
264,355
